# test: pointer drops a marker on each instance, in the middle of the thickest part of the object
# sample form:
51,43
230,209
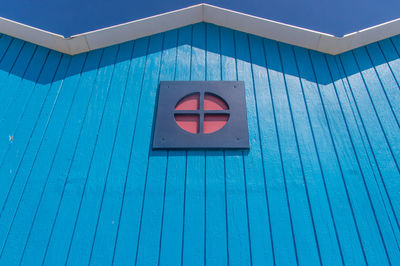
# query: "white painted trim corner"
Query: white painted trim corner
265,28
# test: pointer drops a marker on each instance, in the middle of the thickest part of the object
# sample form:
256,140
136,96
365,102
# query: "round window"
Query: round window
201,113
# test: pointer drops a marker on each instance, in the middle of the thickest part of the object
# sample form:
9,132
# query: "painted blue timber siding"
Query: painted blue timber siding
79,183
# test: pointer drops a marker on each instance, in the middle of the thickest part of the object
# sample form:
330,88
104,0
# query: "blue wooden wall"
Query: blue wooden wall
79,183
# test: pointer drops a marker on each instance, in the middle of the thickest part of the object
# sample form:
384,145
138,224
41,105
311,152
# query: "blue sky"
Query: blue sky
76,16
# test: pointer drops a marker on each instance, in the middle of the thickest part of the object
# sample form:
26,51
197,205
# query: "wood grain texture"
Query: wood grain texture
80,184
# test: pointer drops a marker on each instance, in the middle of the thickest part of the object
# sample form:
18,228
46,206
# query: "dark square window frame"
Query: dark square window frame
167,133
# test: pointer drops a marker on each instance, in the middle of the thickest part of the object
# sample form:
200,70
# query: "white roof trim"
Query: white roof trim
306,38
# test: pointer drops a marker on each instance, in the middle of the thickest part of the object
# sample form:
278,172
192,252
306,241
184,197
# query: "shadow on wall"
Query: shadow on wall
17,57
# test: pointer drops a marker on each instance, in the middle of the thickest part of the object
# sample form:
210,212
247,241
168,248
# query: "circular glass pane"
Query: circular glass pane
190,121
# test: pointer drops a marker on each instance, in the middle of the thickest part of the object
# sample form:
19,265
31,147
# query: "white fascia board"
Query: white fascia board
33,35
281,32
372,34
142,27
262,27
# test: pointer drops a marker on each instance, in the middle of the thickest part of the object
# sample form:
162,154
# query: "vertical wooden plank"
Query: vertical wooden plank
216,231
383,169
304,234
11,166
387,81
33,121
59,158
391,57
172,225
194,219
15,76
372,103
12,84
128,245
356,128
89,206
102,251
385,61
24,91
18,82
40,104
325,230
84,233
29,118
8,61
156,162
7,72
128,122
151,221
5,42
25,171
173,221
36,135
379,100
373,128
130,111
396,43
44,151
22,135
239,250
363,190
261,246
279,219
106,233
67,154
360,199
336,194
118,76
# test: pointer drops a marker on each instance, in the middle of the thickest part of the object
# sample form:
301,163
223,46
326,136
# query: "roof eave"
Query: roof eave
282,32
